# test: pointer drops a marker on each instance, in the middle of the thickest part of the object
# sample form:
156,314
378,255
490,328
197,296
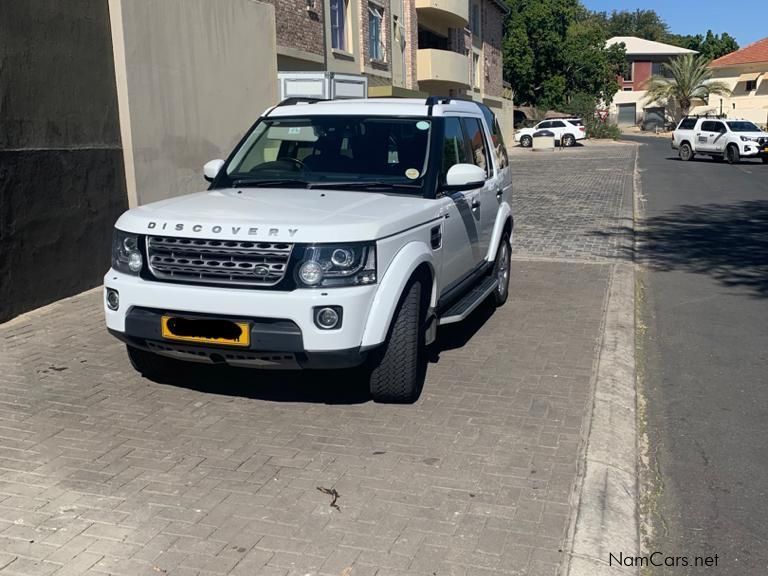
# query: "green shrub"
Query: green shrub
599,129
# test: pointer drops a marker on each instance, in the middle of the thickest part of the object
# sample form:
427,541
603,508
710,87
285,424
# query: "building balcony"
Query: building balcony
442,66
448,13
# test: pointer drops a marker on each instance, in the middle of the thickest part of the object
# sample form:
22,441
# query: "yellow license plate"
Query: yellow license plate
206,331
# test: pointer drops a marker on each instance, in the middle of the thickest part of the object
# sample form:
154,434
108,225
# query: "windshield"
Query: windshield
348,151
743,127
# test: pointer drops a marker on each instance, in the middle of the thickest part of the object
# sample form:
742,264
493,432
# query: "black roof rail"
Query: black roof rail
299,100
432,100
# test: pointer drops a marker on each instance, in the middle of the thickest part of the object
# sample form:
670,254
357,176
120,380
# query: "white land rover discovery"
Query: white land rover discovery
337,234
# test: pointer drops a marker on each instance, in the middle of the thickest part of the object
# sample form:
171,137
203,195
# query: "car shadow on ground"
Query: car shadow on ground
315,386
728,242
708,160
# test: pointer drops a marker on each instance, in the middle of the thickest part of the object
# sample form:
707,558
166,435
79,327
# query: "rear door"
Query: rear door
558,127
711,136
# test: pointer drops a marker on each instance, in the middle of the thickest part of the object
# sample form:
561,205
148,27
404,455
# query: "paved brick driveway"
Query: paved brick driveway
103,472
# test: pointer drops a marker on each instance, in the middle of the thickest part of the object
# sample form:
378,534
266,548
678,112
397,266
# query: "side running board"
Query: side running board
469,301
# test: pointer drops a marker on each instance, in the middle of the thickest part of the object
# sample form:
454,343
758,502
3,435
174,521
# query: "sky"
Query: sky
745,20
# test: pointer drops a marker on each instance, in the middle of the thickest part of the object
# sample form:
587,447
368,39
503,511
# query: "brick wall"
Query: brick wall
411,43
493,30
298,27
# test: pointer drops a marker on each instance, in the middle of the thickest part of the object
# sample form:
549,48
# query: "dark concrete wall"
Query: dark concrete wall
62,182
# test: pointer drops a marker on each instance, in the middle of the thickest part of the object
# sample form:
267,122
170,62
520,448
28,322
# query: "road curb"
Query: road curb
606,501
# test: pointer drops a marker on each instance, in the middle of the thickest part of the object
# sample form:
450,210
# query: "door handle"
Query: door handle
499,193
475,204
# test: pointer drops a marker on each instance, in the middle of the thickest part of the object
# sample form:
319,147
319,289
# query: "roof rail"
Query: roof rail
432,100
716,116
299,100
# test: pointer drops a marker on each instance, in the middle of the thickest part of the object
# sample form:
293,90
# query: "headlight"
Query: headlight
126,253
749,139
327,265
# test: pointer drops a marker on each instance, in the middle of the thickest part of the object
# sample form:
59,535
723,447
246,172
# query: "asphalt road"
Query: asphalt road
704,358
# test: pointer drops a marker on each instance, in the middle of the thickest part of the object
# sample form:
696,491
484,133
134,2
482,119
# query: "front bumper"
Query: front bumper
281,322
753,150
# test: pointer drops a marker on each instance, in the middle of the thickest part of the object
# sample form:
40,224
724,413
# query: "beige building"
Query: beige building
745,72
404,47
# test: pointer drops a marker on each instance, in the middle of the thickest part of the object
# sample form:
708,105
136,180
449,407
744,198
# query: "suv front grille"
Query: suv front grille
236,262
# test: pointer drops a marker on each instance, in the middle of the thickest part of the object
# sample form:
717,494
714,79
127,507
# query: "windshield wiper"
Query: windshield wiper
257,183
365,185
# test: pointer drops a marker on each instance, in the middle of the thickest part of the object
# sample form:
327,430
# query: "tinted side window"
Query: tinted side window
687,124
558,124
474,132
498,145
544,125
454,145
708,126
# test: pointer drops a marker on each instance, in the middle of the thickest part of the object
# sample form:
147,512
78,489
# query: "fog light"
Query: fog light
113,299
328,318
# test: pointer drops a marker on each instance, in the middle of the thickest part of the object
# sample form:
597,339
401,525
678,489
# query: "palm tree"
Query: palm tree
688,78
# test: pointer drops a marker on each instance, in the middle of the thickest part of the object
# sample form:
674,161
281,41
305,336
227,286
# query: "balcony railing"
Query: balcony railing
442,66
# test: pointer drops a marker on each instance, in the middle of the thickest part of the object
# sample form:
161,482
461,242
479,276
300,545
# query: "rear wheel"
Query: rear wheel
732,154
501,269
526,141
154,366
568,140
686,152
398,369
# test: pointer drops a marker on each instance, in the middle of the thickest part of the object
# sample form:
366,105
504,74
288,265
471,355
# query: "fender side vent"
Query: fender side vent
436,237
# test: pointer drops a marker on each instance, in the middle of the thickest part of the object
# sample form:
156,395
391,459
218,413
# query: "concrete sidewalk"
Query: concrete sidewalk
103,472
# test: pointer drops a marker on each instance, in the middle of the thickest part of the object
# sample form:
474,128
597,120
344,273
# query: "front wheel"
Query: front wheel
686,152
732,154
765,159
397,373
526,141
501,270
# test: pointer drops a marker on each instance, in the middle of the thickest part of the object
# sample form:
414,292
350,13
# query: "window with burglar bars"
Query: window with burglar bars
376,32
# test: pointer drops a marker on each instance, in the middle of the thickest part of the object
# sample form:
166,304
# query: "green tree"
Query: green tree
711,46
688,78
641,23
554,49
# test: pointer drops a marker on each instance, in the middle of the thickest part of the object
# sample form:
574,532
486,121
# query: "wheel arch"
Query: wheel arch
505,222
413,260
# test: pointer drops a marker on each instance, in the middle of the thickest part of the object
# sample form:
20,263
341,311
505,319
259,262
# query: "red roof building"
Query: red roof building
755,53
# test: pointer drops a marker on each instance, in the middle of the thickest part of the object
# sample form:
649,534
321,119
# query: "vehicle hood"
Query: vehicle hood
752,134
281,214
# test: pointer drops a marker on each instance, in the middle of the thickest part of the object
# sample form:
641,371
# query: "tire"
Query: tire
526,141
569,140
154,366
732,154
685,152
397,372
501,269
765,159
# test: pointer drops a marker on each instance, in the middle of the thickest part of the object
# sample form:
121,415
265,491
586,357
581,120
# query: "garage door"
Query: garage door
653,119
627,114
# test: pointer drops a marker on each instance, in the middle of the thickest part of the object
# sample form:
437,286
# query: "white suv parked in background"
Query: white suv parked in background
566,130
336,234
720,138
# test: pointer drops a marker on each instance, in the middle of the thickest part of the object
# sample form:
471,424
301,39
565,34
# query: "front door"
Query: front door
461,227
486,205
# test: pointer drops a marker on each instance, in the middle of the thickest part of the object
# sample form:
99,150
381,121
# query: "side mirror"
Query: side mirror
464,177
212,169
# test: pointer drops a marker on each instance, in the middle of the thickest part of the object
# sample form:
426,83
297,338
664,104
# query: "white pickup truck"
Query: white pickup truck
337,234
720,138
